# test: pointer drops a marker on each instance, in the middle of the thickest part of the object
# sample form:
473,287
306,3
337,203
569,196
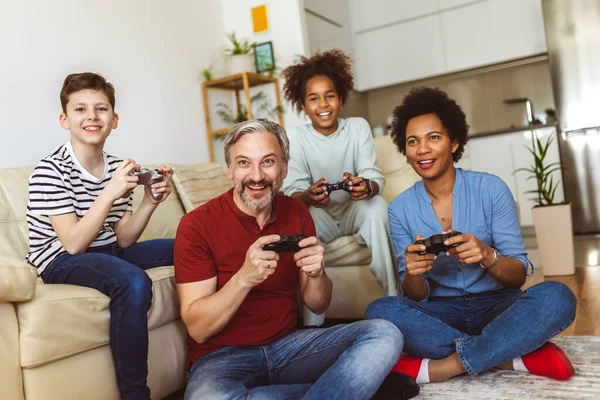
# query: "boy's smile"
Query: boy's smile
89,117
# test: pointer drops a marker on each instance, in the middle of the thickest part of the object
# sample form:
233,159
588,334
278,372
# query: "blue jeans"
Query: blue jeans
119,274
485,329
342,362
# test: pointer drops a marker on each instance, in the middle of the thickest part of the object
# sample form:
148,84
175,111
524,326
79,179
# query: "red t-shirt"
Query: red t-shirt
213,239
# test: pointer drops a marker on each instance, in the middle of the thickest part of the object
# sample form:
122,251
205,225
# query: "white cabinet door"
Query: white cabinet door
492,31
445,4
376,13
399,53
523,159
493,154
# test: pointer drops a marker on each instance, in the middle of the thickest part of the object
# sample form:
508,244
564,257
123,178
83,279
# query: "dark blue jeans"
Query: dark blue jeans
341,362
119,274
485,329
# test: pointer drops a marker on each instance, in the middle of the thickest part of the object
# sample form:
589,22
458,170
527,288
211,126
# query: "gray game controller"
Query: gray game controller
148,177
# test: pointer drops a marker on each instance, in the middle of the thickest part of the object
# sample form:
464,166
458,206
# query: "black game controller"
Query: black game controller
286,244
148,177
341,185
435,244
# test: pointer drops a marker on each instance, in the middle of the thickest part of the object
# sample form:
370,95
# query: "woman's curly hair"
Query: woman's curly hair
423,100
334,64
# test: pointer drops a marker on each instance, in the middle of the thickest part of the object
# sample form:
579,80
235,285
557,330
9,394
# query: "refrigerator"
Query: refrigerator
573,39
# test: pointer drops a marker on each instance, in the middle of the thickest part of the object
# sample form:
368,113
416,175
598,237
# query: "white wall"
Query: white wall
285,31
151,50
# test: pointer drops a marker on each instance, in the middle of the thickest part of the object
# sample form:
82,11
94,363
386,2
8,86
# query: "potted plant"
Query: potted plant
240,54
207,73
228,116
551,219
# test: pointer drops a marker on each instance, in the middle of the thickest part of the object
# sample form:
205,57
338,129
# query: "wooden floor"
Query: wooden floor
586,286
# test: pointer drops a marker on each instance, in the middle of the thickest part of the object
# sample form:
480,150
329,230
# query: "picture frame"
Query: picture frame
264,58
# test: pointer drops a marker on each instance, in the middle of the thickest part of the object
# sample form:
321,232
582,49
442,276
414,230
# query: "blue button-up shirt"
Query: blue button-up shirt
483,205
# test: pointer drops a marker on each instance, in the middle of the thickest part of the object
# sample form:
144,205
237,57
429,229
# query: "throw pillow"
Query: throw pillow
199,183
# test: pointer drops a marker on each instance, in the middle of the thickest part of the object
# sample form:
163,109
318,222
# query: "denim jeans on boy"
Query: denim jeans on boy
342,362
485,329
119,274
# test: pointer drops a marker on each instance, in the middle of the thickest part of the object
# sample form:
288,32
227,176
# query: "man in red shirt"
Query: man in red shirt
239,302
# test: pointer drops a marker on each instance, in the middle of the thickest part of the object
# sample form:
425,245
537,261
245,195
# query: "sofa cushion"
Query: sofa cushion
63,320
399,175
14,194
344,251
199,183
17,279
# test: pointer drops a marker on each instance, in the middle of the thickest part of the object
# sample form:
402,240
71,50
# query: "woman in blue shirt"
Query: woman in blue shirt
463,311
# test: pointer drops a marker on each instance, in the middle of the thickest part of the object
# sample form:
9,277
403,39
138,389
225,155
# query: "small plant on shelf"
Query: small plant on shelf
230,117
207,73
238,46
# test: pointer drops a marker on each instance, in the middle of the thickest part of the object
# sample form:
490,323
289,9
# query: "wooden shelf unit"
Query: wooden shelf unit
236,83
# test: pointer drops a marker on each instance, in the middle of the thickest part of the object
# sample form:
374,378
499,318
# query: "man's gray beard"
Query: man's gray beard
257,204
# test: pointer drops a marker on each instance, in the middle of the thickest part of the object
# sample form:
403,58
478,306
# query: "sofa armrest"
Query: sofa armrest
17,280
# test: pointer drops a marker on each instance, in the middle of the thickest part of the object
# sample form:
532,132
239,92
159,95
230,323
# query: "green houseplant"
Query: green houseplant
542,172
240,54
238,46
230,117
551,219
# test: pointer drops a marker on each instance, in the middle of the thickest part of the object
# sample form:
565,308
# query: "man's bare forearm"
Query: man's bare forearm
208,315
316,294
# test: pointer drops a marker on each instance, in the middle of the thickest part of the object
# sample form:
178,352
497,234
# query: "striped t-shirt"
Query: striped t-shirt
60,185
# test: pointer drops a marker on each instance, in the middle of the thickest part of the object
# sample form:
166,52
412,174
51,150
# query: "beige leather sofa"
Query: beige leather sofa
54,338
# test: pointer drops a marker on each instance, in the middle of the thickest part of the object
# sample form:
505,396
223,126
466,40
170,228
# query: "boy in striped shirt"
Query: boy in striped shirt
82,230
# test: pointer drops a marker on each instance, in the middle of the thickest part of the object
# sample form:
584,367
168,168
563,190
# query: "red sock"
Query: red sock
408,365
550,361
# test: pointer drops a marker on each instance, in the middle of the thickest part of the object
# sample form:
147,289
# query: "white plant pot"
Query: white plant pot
554,234
242,63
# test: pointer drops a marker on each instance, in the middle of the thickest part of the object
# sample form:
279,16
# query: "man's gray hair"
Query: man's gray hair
258,125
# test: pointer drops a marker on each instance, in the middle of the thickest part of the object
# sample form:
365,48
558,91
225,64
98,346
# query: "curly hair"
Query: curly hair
423,100
334,64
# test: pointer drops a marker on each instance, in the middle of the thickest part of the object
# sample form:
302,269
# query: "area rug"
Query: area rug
583,351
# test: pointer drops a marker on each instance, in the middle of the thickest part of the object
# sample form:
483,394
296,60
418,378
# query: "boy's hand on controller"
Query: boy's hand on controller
122,183
317,194
358,187
164,186
310,258
471,250
417,264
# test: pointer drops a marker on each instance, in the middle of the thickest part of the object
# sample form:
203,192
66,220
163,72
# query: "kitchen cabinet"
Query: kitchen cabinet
383,57
372,14
397,41
492,31
502,154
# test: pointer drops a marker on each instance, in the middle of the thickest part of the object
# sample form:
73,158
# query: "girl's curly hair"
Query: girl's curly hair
423,100
334,64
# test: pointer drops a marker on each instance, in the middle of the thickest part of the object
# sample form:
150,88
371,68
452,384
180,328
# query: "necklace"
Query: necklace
443,216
